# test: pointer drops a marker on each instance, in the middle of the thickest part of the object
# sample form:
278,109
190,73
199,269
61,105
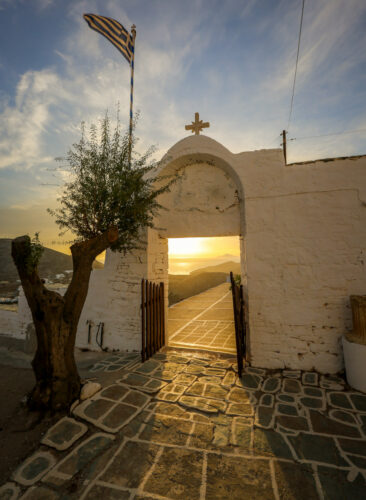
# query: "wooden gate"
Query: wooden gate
152,318
239,320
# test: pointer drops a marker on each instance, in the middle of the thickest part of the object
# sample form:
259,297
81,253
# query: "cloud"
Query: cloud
23,125
231,61
246,100
44,4
326,28
41,4
88,83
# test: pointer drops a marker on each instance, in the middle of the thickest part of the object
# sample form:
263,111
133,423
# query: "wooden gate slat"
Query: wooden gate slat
239,321
154,315
143,329
158,307
152,318
242,321
163,312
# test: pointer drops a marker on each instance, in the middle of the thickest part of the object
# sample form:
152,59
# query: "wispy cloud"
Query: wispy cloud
232,61
327,27
23,125
245,98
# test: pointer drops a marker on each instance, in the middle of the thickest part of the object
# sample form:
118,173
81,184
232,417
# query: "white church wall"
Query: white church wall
203,203
114,296
306,240
10,324
303,241
18,324
158,267
114,299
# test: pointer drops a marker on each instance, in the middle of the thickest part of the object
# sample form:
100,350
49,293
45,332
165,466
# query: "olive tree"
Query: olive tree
107,202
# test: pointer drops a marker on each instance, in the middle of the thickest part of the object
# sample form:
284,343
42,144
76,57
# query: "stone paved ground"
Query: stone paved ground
204,321
183,426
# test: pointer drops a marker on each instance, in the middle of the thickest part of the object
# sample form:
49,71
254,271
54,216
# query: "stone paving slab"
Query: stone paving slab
131,464
100,490
9,491
219,314
167,430
64,434
265,417
336,484
34,468
165,371
79,458
294,482
240,409
207,390
175,358
238,395
238,478
112,408
171,392
116,362
207,434
202,404
177,474
41,493
249,381
146,384
204,321
213,335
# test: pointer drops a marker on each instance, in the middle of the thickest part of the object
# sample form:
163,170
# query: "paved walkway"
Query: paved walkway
204,321
183,426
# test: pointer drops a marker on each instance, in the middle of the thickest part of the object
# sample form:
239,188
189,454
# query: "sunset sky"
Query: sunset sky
233,61
204,247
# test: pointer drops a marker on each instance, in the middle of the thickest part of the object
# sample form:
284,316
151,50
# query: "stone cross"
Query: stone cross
197,125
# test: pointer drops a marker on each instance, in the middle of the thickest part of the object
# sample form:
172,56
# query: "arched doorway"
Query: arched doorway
206,201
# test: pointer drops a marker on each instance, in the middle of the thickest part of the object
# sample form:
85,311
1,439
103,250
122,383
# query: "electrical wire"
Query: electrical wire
297,60
328,135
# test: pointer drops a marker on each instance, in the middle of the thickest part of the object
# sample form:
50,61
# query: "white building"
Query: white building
302,229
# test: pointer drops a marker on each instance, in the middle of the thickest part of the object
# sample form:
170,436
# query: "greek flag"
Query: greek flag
114,32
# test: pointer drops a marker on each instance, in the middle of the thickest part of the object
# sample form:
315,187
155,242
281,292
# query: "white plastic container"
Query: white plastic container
355,364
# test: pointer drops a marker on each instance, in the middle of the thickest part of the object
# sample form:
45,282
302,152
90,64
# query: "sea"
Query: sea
187,265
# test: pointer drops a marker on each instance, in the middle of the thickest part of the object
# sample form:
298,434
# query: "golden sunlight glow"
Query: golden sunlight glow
186,246
203,247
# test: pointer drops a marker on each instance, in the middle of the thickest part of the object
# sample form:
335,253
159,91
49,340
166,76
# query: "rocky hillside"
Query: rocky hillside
184,286
226,267
52,263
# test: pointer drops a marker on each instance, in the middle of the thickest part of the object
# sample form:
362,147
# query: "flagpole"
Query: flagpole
133,31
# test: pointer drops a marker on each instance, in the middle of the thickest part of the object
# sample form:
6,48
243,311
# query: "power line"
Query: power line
297,60
328,135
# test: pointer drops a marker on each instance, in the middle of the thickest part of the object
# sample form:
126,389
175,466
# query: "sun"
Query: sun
184,247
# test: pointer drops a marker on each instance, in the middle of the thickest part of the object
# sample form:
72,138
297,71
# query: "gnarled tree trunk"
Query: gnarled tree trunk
56,319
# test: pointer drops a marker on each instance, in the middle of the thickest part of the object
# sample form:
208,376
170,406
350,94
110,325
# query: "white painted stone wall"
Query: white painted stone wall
306,240
10,324
114,296
14,323
303,240
203,202
303,230
114,299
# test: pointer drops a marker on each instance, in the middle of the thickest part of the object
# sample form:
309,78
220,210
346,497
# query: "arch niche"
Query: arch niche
206,201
